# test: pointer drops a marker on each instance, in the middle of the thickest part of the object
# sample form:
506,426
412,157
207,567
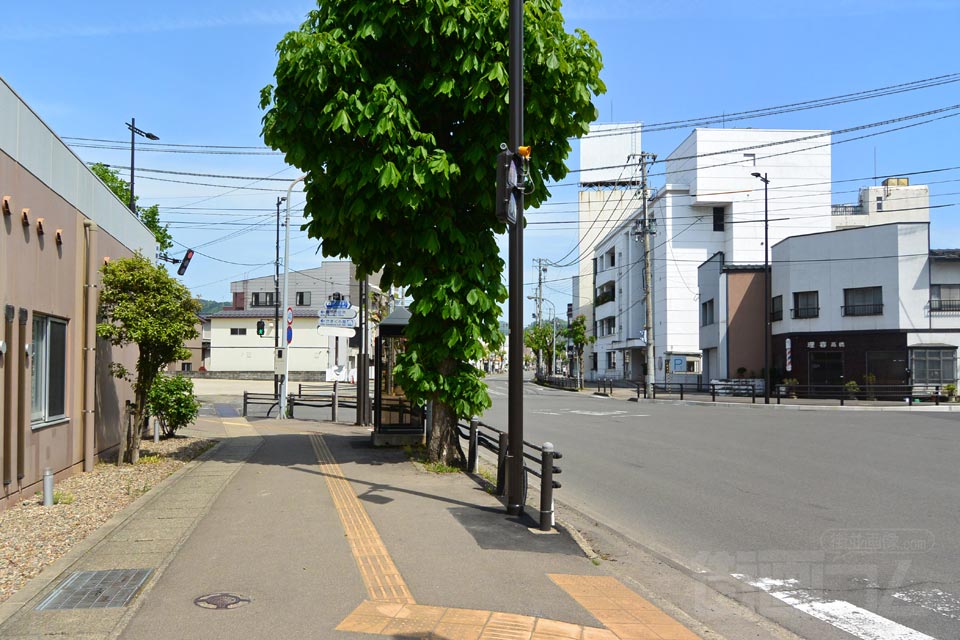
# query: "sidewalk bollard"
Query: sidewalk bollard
936,395
546,487
156,429
335,404
290,406
48,487
244,404
713,393
681,391
502,465
472,450
753,393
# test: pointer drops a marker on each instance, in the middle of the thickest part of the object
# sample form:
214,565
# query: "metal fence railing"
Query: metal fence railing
496,441
316,396
843,394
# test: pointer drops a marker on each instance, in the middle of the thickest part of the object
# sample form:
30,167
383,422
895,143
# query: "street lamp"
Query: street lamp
134,132
766,288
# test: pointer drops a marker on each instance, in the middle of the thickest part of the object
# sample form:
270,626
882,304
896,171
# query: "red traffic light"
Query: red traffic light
185,262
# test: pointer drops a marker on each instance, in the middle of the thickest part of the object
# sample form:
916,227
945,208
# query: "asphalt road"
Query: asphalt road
852,517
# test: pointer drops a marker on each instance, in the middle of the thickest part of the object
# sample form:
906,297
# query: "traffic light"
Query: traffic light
261,328
506,187
185,262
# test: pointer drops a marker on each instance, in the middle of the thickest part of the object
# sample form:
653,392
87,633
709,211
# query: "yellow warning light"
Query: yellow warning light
524,151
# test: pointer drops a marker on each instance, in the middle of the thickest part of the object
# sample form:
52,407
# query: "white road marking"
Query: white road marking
941,602
496,393
842,615
546,413
580,412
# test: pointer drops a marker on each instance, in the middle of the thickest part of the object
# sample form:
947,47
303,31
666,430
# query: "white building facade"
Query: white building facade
872,301
236,346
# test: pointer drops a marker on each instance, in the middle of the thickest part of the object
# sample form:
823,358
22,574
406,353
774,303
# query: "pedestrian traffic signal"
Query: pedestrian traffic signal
185,262
261,328
506,187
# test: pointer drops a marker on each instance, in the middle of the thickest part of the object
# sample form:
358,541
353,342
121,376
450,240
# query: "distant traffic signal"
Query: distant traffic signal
185,262
261,328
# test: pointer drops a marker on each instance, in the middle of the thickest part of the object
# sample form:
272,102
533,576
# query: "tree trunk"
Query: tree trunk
444,444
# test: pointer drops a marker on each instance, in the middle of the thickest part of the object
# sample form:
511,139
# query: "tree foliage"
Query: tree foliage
396,110
150,216
539,339
577,334
172,401
141,304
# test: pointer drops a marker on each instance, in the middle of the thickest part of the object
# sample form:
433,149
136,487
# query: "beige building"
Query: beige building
59,406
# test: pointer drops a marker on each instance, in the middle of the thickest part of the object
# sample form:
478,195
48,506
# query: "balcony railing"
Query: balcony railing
800,313
862,310
945,305
847,210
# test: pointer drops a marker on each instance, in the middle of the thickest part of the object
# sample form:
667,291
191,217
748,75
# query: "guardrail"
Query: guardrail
560,382
868,392
259,399
306,397
480,435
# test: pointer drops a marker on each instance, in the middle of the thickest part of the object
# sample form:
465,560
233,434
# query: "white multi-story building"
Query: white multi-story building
872,301
608,196
895,201
710,203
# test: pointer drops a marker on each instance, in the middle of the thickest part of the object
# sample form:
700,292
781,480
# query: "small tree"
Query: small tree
172,401
539,339
577,334
141,304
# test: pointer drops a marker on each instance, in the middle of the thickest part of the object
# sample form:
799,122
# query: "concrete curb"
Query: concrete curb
53,571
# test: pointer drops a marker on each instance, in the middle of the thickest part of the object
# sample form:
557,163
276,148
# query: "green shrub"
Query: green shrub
172,401
852,388
950,390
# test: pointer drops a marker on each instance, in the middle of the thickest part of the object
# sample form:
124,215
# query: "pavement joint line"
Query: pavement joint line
392,611
86,552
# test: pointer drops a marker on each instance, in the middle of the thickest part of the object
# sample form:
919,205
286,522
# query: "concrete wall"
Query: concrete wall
745,323
309,351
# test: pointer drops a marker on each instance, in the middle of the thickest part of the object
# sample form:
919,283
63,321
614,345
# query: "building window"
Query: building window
806,304
718,218
48,371
238,331
933,366
776,308
864,301
262,299
611,359
593,361
945,297
303,298
879,203
706,313
186,366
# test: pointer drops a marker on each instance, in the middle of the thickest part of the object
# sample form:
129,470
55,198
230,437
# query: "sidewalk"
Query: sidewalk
301,529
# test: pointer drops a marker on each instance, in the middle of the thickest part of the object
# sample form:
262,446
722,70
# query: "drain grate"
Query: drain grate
221,601
96,590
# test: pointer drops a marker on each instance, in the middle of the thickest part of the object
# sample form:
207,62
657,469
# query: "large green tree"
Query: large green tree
141,304
150,216
539,339
396,109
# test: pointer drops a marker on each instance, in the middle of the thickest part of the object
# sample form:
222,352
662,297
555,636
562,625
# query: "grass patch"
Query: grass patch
59,497
151,459
418,454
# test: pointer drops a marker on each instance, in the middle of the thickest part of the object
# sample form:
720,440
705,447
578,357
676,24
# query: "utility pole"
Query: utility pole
514,460
276,301
647,230
539,300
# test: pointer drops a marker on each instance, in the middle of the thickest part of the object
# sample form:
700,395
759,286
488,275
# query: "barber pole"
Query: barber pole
789,357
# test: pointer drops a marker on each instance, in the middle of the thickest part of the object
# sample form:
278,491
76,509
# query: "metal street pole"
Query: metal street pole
648,276
134,132
284,381
276,301
766,289
515,472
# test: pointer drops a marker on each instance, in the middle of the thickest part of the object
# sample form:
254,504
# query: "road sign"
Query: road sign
289,315
289,334
350,312
338,304
336,331
334,321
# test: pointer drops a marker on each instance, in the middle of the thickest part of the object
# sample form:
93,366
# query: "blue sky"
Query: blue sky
191,73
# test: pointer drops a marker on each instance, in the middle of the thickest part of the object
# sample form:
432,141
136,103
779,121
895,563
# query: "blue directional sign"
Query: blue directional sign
289,335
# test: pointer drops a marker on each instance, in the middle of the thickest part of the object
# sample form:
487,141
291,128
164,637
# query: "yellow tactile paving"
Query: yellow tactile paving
391,610
622,611
380,575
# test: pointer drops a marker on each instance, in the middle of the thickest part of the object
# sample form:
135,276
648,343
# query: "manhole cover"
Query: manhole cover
221,601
